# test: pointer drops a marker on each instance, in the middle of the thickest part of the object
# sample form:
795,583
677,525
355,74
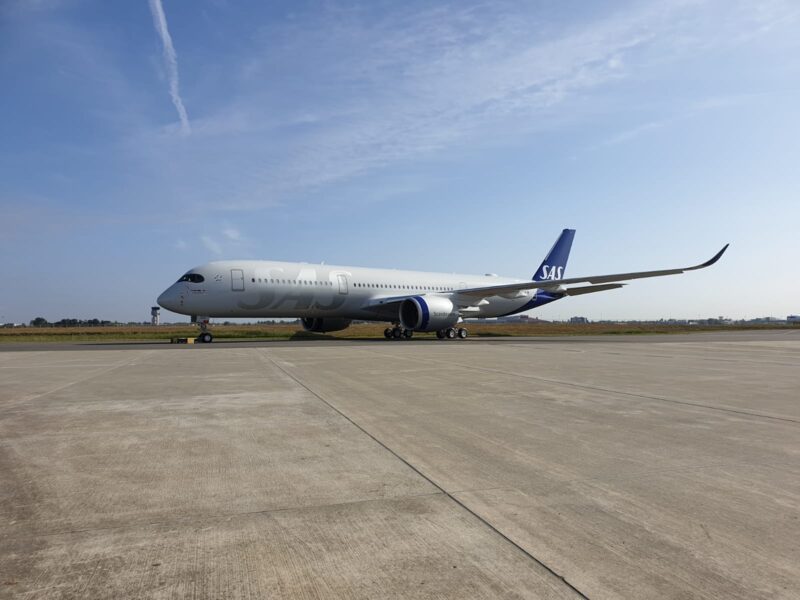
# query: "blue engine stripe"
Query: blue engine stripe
426,315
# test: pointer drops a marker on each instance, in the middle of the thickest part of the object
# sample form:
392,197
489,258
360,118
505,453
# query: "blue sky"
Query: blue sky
440,136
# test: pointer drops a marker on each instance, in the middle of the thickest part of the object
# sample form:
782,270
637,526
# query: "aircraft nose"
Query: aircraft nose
169,299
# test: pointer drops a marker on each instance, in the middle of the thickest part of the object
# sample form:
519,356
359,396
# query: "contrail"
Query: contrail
171,62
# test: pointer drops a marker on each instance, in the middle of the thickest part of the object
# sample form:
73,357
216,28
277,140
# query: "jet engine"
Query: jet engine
320,325
428,313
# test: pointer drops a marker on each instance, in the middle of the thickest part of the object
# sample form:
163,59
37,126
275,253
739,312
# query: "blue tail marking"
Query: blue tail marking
552,268
555,263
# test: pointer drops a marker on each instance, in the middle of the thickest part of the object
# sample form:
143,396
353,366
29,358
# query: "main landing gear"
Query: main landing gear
452,333
205,336
397,333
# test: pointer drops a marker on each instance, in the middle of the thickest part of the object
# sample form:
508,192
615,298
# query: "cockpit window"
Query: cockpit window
192,278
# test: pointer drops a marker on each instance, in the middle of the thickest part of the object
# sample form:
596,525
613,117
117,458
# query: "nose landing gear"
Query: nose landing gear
205,336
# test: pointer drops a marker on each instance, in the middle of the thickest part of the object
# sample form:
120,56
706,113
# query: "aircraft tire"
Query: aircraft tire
397,333
450,333
387,333
408,333
463,333
206,338
440,334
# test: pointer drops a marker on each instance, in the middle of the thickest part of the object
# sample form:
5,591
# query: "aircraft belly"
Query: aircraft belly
290,304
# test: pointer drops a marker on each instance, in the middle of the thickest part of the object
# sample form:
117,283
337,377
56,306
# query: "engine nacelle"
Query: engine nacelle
320,325
428,313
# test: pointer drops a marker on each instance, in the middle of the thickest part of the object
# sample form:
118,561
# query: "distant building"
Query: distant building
762,320
793,319
579,320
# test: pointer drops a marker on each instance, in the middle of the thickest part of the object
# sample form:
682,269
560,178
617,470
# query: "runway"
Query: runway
326,341
612,467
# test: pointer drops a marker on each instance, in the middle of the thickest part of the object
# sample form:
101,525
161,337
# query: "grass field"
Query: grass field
294,331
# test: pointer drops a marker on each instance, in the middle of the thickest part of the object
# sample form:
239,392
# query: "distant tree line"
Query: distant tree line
42,322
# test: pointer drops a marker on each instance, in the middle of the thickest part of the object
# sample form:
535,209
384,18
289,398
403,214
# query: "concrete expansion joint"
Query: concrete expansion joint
478,490
93,375
610,391
550,570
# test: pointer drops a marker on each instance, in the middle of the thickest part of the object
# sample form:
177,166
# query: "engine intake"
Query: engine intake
428,313
320,325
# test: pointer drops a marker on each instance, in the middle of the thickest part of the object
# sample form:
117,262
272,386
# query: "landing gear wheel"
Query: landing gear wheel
450,333
407,333
387,333
204,337
397,333
463,333
440,334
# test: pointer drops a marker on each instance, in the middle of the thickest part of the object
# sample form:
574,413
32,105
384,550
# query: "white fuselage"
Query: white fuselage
267,289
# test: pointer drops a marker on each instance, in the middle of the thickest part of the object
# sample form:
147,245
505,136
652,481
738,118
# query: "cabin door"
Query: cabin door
237,280
342,283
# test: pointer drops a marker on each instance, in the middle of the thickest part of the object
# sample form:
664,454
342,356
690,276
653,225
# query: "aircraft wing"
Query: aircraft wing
511,289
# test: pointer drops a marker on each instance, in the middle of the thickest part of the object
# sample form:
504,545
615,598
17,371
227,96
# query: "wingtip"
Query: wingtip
716,257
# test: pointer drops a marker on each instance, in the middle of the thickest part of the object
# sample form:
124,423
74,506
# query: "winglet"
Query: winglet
711,261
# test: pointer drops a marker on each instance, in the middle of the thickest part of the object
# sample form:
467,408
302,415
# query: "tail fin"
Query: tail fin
555,263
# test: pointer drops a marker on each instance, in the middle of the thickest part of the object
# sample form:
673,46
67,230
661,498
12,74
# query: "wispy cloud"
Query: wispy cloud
393,90
170,62
682,114
232,234
639,130
382,89
211,245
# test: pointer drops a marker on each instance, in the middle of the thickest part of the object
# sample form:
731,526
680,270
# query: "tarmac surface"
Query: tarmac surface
626,467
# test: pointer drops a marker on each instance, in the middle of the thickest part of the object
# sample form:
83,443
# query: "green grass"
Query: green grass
292,331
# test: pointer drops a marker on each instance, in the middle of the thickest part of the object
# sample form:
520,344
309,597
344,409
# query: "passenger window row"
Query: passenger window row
432,288
197,278
292,282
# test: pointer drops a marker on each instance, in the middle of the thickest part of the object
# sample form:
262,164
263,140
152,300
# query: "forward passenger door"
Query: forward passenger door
237,280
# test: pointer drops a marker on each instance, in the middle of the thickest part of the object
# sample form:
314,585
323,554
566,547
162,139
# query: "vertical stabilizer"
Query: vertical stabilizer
555,263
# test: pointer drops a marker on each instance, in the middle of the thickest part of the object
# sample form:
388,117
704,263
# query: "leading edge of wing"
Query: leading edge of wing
556,283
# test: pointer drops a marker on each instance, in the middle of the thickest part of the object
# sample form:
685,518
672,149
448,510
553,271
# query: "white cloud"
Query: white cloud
638,131
232,234
170,61
211,245
380,90
683,113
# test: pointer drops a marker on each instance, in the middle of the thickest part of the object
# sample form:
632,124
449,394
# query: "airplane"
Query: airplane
328,298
